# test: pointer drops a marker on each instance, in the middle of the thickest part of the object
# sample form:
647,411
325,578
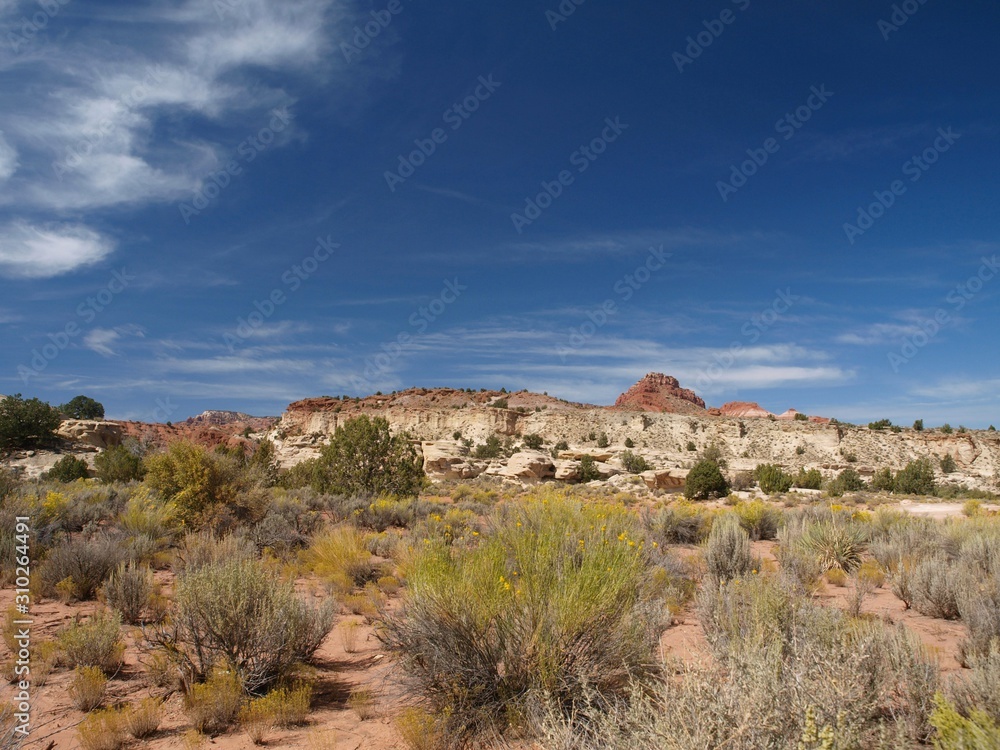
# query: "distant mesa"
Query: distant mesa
741,409
661,393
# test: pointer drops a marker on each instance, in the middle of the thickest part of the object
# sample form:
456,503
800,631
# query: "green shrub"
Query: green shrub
83,407
629,443
25,423
588,469
691,446
727,551
550,603
118,464
880,424
918,425
96,642
946,429
705,480
847,481
883,480
948,465
236,614
808,480
633,464
772,479
602,441
364,458
67,469
492,448
916,478
533,441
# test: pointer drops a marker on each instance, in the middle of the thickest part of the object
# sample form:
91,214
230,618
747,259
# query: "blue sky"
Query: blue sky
237,203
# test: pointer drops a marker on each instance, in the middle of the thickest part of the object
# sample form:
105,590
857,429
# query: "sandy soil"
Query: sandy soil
332,724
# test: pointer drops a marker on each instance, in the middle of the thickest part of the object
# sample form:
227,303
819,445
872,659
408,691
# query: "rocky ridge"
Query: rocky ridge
444,421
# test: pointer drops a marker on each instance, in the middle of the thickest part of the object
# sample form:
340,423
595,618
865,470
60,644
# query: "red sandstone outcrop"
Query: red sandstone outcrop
661,393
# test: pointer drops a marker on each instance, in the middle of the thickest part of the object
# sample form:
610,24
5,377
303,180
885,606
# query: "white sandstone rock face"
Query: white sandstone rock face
664,479
92,432
662,439
444,460
531,465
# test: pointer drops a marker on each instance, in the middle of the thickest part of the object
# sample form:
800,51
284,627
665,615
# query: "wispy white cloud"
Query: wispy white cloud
878,334
104,340
8,158
100,340
94,140
42,251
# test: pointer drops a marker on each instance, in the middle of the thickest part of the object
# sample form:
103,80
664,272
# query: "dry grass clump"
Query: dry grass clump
284,707
362,702
143,718
86,689
550,602
102,730
422,730
213,705
257,720
340,557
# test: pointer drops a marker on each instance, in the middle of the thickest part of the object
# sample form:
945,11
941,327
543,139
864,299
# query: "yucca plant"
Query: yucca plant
838,545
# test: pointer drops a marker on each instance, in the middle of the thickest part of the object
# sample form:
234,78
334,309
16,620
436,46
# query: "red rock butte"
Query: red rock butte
661,393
